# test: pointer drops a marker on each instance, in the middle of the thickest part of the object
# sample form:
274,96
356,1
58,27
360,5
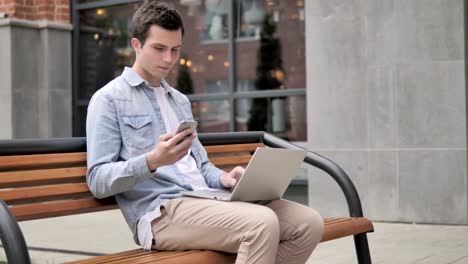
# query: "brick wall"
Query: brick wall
51,10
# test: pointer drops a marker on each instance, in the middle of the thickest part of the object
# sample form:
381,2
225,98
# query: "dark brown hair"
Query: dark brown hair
155,13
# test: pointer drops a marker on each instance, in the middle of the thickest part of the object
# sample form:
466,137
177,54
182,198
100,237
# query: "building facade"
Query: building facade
378,86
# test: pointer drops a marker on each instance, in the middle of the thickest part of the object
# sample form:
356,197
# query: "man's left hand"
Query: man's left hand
230,179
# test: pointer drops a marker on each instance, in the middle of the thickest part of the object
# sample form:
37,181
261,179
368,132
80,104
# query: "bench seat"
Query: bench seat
334,228
47,178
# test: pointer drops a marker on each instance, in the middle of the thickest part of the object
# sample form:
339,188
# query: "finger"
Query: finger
238,170
180,153
180,136
193,135
233,182
183,145
186,132
239,173
165,137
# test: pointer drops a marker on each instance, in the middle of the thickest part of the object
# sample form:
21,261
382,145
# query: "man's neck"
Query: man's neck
154,82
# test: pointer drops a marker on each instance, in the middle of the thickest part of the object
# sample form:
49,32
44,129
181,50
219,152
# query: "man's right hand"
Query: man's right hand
169,149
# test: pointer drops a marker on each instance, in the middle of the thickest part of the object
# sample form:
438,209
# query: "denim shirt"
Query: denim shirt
123,124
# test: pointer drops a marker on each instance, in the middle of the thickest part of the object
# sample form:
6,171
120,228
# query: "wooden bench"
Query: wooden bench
46,178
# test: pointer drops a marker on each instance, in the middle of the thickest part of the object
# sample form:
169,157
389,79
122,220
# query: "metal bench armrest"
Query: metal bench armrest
12,238
330,167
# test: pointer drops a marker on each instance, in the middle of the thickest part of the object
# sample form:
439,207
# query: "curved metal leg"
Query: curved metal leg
12,237
362,249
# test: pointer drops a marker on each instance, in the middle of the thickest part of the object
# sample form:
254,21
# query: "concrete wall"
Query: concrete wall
39,74
6,130
386,100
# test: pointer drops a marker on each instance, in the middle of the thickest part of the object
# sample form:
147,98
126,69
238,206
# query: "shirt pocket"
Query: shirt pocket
138,131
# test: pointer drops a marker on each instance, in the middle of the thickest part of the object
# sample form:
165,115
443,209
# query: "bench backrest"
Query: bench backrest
49,185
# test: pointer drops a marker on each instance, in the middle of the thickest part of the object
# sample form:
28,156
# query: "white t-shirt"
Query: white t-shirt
186,165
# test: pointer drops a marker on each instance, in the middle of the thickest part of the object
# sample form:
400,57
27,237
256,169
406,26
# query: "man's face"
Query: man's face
159,53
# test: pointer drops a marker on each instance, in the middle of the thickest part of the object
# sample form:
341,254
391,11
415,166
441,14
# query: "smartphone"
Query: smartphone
187,124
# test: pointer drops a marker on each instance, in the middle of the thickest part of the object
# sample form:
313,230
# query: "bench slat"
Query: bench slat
232,160
44,193
191,256
10,179
233,148
62,208
43,160
342,227
114,257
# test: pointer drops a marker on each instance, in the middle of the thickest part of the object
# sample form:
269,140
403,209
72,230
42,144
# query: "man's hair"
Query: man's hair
158,13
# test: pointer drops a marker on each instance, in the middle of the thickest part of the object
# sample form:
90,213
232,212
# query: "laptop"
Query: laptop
266,177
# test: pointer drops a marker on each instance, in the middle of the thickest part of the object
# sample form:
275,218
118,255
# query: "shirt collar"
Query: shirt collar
167,88
135,80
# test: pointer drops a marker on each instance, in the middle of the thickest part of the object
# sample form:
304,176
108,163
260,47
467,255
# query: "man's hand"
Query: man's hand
230,179
169,149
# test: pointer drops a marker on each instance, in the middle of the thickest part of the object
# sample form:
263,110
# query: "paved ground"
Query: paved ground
402,243
70,238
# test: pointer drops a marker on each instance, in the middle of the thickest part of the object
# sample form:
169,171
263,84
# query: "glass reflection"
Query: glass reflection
212,116
104,46
216,20
273,33
283,116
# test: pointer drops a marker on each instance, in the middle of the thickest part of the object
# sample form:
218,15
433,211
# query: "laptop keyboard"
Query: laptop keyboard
219,193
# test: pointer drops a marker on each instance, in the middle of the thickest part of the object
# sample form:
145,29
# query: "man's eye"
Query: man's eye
175,50
159,49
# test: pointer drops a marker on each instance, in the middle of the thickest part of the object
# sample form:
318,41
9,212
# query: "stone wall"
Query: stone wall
387,100
35,93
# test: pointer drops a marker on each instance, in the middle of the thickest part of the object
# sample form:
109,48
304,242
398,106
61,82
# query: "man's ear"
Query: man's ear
136,44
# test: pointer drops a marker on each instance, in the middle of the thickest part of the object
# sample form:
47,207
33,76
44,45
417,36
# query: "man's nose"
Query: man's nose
167,57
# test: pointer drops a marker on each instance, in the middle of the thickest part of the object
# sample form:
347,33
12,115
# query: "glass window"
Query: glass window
271,56
269,65
274,56
283,116
203,65
104,46
212,116
81,116
215,20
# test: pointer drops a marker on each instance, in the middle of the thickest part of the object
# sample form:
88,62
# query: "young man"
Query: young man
135,155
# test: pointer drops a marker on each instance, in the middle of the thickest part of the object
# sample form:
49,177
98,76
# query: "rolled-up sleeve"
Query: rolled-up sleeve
106,174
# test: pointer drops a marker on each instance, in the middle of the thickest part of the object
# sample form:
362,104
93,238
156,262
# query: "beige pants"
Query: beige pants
279,231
